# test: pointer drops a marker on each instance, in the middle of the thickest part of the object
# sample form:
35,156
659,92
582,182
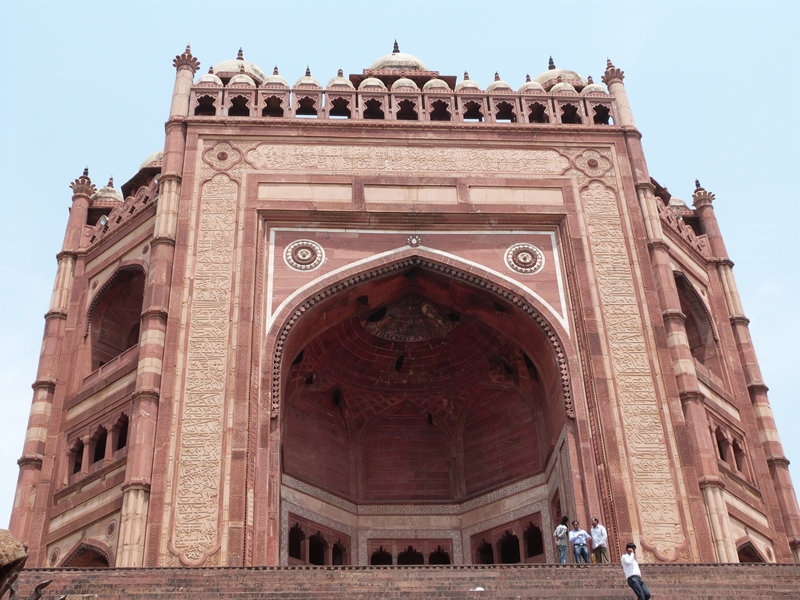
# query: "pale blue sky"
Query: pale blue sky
713,86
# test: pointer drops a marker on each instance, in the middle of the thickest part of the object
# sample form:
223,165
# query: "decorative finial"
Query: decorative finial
83,185
466,76
186,60
559,79
110,182
612,74
210,70
308,71
697,185
701,197
340,73
496,76
396,48
551,65
275,70
241,68
590,80
240,56
527,78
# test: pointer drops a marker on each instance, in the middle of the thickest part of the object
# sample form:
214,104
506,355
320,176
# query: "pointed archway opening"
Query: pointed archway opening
420,390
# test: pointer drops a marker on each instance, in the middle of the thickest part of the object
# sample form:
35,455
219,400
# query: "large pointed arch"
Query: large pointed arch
289,314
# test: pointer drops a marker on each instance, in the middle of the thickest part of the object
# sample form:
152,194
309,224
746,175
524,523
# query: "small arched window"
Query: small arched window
485,553
205,107
306,107
534,543
410,556
602,115
122,432
538,113
316,549
439,557
505,113
570,114
340,109
509,548
273,107
440,111
239,107
407,111
472,112
380,557
100,439
372,109
77,457
296,539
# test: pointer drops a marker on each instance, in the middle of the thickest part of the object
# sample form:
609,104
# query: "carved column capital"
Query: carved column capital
31,459
83,186
673,313
186,61
612,74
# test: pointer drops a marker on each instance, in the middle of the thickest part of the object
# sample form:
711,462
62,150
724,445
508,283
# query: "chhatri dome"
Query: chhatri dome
229,68
550,78
399,61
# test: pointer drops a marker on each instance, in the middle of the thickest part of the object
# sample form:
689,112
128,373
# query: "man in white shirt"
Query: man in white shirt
633,574
578,538
600,542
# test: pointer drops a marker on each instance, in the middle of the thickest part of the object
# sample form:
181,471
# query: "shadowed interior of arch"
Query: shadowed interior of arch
418,387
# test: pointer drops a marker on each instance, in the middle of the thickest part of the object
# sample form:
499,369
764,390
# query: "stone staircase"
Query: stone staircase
606,582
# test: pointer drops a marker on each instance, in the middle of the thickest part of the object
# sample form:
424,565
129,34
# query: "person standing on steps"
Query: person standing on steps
600,542
633,574
578,538
561,539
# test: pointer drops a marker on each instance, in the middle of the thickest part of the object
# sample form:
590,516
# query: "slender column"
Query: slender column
770,440
144,416
703,454
30,465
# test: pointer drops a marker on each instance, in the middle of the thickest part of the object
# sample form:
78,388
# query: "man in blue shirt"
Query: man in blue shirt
578,538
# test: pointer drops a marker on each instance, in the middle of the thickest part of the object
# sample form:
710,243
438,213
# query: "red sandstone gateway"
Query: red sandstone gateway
396,321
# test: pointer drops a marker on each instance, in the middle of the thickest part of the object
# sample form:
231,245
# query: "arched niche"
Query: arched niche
441,355
115,316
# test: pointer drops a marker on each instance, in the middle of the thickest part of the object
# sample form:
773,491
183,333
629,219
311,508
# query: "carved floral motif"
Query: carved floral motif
524,258
222,156
593,163
304,255
656,497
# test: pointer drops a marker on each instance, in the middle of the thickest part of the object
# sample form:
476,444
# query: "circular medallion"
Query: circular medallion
592,163
524,258
54,556
111,528
414,241
304,255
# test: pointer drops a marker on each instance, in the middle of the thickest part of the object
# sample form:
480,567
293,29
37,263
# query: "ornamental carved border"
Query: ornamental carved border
198,494
656,497
451,271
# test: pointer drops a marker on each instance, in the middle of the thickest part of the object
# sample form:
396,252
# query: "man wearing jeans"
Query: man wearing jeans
561,539
633,574
578,538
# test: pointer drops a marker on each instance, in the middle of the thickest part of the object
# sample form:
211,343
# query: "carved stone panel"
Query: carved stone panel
196,522
404,159
656,496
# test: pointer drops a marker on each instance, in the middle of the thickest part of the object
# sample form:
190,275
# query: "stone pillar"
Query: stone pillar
694,414
30,465
613,79
144,416
770,441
